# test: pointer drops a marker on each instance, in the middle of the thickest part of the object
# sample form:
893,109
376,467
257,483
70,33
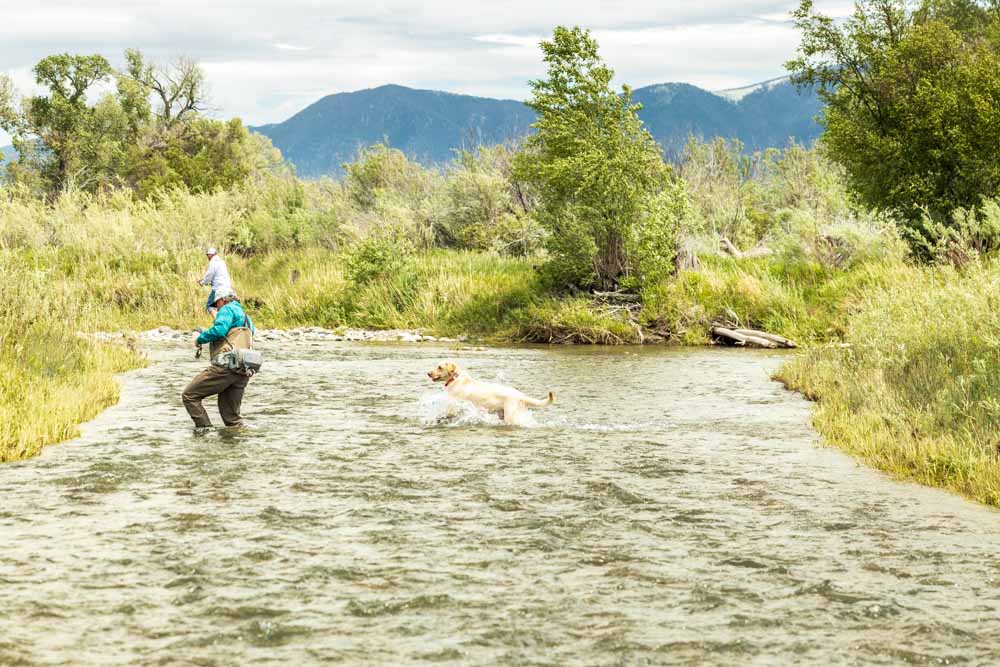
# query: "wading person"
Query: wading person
228,374
217,276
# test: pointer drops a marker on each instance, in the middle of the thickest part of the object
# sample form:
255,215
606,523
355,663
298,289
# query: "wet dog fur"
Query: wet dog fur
508,403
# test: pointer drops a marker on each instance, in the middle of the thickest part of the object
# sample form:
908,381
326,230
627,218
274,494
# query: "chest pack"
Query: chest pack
235,352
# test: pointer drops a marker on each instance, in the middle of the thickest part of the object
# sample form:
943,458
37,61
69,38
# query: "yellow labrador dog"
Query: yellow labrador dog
507,402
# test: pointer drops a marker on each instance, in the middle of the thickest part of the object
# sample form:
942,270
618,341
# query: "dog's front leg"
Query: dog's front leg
453,408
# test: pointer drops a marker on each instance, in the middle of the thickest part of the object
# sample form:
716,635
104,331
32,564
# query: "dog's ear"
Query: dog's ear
450,367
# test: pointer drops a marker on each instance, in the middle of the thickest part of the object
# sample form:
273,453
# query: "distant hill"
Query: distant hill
737,94
760,116
427,124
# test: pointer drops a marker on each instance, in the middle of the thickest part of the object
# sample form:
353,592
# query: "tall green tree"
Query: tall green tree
59,132
611,205
145,134
912,103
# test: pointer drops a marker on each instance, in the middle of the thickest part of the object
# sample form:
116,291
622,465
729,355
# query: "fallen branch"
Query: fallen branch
751,337
780,340
731,250
617,296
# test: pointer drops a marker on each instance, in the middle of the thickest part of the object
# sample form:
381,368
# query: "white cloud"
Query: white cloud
266,59
530,41
291,47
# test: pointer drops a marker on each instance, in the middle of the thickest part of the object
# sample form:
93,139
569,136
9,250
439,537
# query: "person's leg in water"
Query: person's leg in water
231,399
211,381
209,306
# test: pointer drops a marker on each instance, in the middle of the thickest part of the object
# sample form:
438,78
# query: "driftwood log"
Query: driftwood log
751,337
730,249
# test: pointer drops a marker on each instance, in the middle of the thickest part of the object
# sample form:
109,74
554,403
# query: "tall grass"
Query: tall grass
50,378
914,389
802,298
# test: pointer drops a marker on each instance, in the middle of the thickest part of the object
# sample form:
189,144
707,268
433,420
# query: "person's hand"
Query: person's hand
194,338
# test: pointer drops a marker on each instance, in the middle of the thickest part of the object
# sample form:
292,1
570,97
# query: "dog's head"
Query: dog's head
444,372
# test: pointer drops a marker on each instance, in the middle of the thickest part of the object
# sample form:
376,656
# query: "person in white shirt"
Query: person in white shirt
217,276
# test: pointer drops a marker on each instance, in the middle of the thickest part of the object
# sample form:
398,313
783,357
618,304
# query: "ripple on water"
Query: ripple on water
392,607
649,517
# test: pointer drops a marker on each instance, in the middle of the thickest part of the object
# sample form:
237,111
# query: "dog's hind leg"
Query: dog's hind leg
512,414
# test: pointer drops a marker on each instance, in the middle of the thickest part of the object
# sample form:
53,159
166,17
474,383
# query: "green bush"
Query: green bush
487,208
752,198
379,169
282,213
382,254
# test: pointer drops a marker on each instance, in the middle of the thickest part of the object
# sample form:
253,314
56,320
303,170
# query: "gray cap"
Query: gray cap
210,250
224,293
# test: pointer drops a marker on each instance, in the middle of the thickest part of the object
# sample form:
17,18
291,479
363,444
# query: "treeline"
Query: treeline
911,125
912,112
147,133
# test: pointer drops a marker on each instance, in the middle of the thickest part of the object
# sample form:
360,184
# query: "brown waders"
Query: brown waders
229,385
216,380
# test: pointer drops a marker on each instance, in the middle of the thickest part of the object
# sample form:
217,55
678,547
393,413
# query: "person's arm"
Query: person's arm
218,330
209,275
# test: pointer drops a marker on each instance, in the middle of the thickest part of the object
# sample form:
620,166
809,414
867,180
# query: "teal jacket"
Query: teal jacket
229,316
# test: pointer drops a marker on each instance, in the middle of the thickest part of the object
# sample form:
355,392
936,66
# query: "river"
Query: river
673,507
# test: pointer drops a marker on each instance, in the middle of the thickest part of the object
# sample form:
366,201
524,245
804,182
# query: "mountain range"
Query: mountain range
428,125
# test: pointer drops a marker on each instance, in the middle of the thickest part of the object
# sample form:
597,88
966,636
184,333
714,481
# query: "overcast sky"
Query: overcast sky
267,59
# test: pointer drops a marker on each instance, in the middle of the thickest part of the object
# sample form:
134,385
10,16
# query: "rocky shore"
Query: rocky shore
166,334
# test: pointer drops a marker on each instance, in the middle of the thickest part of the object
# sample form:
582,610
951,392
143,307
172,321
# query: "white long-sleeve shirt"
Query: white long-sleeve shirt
217,275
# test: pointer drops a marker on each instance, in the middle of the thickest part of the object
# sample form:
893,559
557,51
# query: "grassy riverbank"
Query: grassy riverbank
914,390
51,380
449,292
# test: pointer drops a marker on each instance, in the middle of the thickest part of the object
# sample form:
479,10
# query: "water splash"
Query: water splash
438,409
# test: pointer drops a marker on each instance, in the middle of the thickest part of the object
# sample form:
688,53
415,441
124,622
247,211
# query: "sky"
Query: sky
267,59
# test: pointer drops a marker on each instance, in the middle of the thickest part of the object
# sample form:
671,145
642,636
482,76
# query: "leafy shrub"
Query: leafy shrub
382,254
972,233
487,208
749,198
653,243
379,169
283,213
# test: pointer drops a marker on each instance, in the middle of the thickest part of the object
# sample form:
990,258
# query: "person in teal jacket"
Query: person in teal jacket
231,315
231,330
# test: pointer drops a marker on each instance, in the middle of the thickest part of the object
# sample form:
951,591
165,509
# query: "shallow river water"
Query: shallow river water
674,507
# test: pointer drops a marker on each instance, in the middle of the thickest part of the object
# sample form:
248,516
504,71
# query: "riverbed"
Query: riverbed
673,507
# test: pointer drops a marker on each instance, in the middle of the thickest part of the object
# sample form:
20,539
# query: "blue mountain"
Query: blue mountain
428,125
425,124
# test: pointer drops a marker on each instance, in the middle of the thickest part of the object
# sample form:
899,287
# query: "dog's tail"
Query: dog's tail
541,403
